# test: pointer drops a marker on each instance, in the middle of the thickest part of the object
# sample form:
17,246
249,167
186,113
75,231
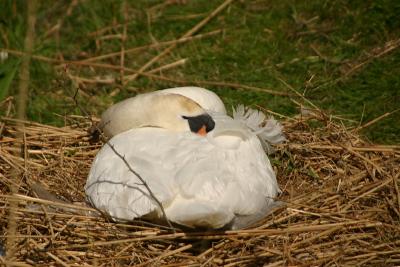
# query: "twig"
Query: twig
58,202
300,95
396,189
215,83
324,57
318,236
143,182
2,124
187,34
242,86
378,168
113,27
381,51
333,147
61,20
111,37
384,183
208,251
166,254
66,62
57,259
186,17
275,113
153,76
91,81
236,233
374,120
387,48
169,66
155,45
123,39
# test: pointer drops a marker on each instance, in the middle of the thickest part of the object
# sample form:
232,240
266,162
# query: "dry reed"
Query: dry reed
341,193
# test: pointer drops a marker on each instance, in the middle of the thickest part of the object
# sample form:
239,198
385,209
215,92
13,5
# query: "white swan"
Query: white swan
219,179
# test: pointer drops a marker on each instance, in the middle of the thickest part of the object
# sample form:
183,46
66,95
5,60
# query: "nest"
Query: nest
342,205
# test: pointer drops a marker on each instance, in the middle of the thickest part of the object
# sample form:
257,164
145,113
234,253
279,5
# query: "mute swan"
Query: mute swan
219,179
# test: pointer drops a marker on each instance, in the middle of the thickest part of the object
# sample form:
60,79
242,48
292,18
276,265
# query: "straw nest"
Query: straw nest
341,194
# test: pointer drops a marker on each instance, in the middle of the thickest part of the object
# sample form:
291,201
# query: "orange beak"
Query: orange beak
202,131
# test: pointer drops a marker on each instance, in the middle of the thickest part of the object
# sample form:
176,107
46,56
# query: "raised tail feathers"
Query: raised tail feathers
269,131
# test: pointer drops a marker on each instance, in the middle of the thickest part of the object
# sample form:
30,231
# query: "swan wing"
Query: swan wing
114,189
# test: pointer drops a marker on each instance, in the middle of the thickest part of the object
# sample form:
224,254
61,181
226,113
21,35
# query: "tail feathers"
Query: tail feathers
269,131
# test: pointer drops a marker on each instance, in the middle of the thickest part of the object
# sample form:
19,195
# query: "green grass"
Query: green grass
309,44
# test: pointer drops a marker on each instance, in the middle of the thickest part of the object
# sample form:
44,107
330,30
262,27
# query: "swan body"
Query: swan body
222,179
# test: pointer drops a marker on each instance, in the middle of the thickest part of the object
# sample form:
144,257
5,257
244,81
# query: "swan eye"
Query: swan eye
201,124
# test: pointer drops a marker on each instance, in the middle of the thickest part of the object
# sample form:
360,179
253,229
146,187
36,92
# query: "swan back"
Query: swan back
150,110
205,98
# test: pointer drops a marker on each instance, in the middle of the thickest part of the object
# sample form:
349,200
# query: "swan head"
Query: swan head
179,113
173,112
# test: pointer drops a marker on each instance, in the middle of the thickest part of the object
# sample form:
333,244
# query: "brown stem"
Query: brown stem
21,114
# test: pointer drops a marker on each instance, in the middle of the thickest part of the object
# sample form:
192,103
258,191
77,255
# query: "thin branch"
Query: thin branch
123,39
187,34
7,113
169,66
374,120
149,75
375,53
156,45
89,61
384,183
143,183
300,95
396,189
216,83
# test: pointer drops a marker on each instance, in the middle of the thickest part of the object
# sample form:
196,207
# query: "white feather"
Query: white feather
268,130
205,98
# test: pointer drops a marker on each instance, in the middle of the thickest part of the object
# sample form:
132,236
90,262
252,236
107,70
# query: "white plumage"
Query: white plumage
222,179
269,131
206,99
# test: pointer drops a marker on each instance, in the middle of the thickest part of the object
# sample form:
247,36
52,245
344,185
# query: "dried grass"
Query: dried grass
343,206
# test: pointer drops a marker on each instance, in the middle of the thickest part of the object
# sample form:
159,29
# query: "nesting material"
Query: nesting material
341,193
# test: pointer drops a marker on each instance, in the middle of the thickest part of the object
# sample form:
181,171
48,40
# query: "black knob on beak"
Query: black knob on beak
201,123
